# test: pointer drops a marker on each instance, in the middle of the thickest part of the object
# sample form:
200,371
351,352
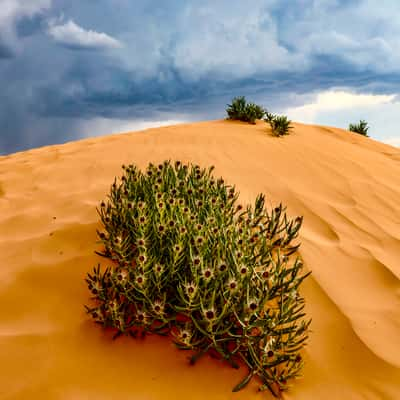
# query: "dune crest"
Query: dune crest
346,186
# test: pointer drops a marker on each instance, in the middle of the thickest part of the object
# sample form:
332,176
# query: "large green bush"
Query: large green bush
186,261
361,128
242,111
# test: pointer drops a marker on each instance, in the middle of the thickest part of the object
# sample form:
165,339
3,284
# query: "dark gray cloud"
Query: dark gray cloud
5,51
182,59
28,26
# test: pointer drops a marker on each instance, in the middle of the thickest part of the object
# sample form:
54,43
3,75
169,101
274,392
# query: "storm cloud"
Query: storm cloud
66,66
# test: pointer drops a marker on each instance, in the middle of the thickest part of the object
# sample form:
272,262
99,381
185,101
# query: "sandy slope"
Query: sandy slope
346,186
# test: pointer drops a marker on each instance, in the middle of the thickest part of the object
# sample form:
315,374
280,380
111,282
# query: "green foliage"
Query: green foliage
253,112
190,263
269,117
280,124
248,112
361,128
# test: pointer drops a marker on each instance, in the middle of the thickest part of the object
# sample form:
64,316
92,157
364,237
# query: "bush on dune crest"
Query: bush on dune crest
269,117
189,263
250,112
361,128
280,124
242,111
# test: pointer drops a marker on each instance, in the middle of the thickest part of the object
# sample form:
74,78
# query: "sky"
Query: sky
72,69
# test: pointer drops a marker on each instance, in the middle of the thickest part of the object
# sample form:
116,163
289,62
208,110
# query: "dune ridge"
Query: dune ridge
346,186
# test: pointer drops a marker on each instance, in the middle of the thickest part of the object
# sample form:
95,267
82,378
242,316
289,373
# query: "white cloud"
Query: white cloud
106,126
334,100
393,141
340,107
72,35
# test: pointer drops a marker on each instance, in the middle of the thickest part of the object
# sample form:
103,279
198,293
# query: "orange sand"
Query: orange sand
346,186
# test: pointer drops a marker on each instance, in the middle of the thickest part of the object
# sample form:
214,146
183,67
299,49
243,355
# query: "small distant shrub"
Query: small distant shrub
280,124
269,117
242,111
190,263
361,128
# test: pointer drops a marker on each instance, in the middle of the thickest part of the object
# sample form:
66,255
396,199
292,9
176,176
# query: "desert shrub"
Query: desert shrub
237,109
280,125
254,111
361,128
247,112
269,117
190,263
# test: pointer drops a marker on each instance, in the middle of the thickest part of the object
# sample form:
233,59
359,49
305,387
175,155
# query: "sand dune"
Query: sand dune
346,186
